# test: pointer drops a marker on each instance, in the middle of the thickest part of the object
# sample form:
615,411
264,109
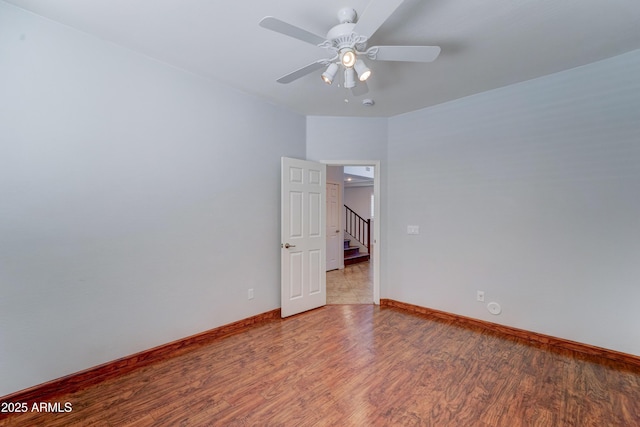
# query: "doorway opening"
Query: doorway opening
352,284
359,183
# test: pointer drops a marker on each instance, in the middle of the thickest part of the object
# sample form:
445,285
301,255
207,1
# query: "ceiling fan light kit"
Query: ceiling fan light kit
330,73
349,78
348,57
363,71
347,42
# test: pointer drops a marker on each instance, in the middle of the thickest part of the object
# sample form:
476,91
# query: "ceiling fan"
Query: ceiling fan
347,42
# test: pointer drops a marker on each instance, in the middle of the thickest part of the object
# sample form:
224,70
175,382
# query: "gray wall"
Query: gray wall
359,199
124,184
346,138
530,193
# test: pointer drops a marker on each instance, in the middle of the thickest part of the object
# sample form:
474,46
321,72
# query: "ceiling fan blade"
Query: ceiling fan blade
307,69
374,16
275,24
360,89
403,53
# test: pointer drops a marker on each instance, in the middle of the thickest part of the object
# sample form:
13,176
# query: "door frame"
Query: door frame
376,214
340,239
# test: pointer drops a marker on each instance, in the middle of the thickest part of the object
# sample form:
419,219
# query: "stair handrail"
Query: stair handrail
358,227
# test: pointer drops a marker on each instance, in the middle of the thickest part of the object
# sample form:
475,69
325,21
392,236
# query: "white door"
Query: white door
303,283
334,236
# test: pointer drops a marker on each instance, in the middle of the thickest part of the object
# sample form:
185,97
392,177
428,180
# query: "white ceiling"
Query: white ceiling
485,44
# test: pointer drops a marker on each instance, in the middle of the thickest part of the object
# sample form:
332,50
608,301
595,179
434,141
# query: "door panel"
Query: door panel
303,243
295,225
295,271
315,213
315,272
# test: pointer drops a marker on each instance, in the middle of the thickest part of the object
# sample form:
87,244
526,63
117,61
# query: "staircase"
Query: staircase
352,254
360,229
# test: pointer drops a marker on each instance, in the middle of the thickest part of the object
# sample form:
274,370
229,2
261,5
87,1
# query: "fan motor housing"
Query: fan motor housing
340,32
342,36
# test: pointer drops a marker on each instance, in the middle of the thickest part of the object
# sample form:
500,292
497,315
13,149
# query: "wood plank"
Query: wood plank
116,368
354,365
508,331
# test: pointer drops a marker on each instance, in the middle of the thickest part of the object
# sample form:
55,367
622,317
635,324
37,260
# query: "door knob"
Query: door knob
287,246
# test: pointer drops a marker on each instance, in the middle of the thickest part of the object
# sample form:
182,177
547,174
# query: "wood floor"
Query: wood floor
361,365
351,285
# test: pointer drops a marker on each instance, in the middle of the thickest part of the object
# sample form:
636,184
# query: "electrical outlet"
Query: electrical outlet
413,229
250,294
480,296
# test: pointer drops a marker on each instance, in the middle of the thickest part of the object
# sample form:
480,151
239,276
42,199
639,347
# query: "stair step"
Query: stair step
353,250
354,259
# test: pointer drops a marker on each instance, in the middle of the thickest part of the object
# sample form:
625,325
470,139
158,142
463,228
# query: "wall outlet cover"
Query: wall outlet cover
413,229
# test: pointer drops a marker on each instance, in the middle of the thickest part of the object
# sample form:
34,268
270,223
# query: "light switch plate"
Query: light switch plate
413,229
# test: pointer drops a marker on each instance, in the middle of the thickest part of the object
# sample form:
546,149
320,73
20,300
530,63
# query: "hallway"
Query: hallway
352,285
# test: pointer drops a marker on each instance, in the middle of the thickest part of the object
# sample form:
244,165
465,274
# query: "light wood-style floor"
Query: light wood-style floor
361,365
351,285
